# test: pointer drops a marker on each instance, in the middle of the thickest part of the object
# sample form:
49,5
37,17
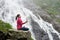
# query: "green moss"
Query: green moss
31,38
58,20
4,26
7,25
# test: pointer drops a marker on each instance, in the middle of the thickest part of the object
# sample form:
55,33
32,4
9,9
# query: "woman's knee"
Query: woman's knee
27,29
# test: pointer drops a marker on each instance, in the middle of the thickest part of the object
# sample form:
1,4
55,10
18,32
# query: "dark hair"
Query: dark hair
17,16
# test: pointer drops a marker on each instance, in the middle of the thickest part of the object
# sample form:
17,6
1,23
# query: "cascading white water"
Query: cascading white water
11,8
9,11
47,27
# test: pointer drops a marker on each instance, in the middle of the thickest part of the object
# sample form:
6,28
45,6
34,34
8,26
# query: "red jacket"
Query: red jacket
19,23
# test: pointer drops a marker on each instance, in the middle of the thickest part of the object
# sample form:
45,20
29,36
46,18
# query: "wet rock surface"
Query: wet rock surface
46,17
39,33
38,11
55,37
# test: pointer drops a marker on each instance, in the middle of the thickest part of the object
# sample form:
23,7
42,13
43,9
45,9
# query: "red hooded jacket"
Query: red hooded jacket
19,23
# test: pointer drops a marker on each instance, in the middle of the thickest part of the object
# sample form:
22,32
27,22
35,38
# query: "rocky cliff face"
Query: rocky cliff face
37,10
15,35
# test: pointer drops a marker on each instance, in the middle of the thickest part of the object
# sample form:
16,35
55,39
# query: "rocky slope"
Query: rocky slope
15,35
37,10
52,7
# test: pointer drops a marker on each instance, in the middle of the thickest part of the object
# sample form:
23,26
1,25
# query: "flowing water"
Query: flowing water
40,29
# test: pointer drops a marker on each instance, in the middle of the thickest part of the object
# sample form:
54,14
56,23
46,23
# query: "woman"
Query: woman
20,23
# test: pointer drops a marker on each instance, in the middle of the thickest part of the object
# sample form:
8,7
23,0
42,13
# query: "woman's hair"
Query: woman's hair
17,16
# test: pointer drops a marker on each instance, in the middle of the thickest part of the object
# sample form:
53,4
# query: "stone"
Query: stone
15,35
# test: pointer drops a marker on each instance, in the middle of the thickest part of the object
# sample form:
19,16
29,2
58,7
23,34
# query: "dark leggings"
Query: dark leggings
24,29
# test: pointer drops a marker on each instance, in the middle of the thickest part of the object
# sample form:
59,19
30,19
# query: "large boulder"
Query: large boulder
15,35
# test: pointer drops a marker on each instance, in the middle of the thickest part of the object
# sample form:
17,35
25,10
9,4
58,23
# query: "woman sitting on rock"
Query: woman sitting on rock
20,23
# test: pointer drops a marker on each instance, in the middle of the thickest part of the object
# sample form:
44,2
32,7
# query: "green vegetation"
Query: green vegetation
53,6
58,20
4,26
31,38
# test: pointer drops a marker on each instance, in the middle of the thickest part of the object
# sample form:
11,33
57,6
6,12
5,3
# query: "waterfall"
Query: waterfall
10,8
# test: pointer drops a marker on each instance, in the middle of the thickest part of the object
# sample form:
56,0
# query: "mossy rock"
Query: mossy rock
16,35
7,33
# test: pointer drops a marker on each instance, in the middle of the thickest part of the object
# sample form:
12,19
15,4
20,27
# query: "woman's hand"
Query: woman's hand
26,21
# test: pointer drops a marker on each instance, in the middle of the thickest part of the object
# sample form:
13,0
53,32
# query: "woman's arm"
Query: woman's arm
25,22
